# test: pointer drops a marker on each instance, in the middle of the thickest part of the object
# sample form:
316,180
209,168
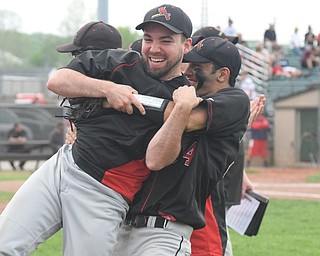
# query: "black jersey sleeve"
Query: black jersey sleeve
228,111
102,64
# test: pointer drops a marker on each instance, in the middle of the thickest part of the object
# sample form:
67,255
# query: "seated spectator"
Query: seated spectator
57,137
310,58
19,135
281,67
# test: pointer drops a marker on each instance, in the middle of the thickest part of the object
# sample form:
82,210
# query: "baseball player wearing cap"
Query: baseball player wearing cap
95,35
235,181
178,193
99,175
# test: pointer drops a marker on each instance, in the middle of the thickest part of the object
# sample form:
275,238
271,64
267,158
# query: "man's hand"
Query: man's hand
121,98
246,184
256,107
71,135
186,95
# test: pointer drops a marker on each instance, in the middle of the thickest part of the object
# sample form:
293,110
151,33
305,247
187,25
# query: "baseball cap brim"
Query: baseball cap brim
195,57
67,48
173,29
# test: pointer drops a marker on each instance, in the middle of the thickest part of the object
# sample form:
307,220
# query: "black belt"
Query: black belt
140,221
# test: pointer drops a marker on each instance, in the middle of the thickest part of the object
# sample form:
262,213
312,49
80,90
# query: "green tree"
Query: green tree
128,36
74,19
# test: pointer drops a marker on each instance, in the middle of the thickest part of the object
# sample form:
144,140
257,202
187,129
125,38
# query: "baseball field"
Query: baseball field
291,225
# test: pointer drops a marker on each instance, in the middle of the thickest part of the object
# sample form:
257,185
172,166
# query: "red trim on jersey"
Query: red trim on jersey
207,241
127,179
123,65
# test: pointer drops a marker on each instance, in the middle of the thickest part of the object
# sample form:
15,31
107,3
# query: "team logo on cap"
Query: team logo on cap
162,12
199,45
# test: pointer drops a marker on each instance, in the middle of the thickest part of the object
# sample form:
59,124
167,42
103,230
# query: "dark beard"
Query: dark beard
200,77
157,74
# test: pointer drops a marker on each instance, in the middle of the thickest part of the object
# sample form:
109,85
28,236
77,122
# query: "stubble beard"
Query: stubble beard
160,73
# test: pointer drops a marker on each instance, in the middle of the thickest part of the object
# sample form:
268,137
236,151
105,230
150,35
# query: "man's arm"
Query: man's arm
222,124
170,134
73,84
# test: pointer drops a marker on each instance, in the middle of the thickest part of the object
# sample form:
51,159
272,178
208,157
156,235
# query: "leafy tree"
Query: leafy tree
128,36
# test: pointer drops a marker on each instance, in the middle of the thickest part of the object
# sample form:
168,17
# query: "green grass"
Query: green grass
52,247
250,170
5,196
314,178
11,175
289,228
17,175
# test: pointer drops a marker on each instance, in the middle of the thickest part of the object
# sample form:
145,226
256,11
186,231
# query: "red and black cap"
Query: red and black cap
216,50
136,45
95,35
211,31
171,17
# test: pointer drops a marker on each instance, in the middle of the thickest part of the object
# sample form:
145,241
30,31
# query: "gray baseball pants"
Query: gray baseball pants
174,239
57,195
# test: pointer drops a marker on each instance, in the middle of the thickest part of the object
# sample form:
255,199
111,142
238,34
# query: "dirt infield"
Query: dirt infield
271,182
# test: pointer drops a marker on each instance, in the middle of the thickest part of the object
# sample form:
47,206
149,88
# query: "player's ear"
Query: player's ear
223,74
187,45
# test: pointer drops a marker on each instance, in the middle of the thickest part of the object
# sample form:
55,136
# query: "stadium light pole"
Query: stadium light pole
103,10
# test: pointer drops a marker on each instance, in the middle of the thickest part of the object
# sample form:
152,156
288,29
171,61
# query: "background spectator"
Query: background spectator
309,37
296,43
247,84
57,137
258,146
230,30
270,38
17,134
310,58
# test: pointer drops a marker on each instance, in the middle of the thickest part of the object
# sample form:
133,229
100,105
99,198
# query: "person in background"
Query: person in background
270,38
258,146
230,30
296,43
247,84
309,37
56,137
19,135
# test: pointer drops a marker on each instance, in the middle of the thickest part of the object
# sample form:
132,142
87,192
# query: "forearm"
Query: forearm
72,84
165,146
196,121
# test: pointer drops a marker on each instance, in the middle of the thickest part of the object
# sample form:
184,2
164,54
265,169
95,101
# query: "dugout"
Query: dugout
296,130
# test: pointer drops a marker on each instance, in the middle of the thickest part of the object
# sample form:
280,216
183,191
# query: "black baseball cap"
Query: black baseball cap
211,31
216,50
136,45
171,17
95,35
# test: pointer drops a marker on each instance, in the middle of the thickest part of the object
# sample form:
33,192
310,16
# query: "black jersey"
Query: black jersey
111,145
179,191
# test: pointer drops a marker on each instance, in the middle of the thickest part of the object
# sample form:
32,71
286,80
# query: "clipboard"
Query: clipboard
255,223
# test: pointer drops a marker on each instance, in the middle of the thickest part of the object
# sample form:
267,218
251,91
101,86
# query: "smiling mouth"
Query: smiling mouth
157,60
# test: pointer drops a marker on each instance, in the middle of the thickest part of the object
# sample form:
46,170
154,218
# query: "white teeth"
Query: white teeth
156,60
